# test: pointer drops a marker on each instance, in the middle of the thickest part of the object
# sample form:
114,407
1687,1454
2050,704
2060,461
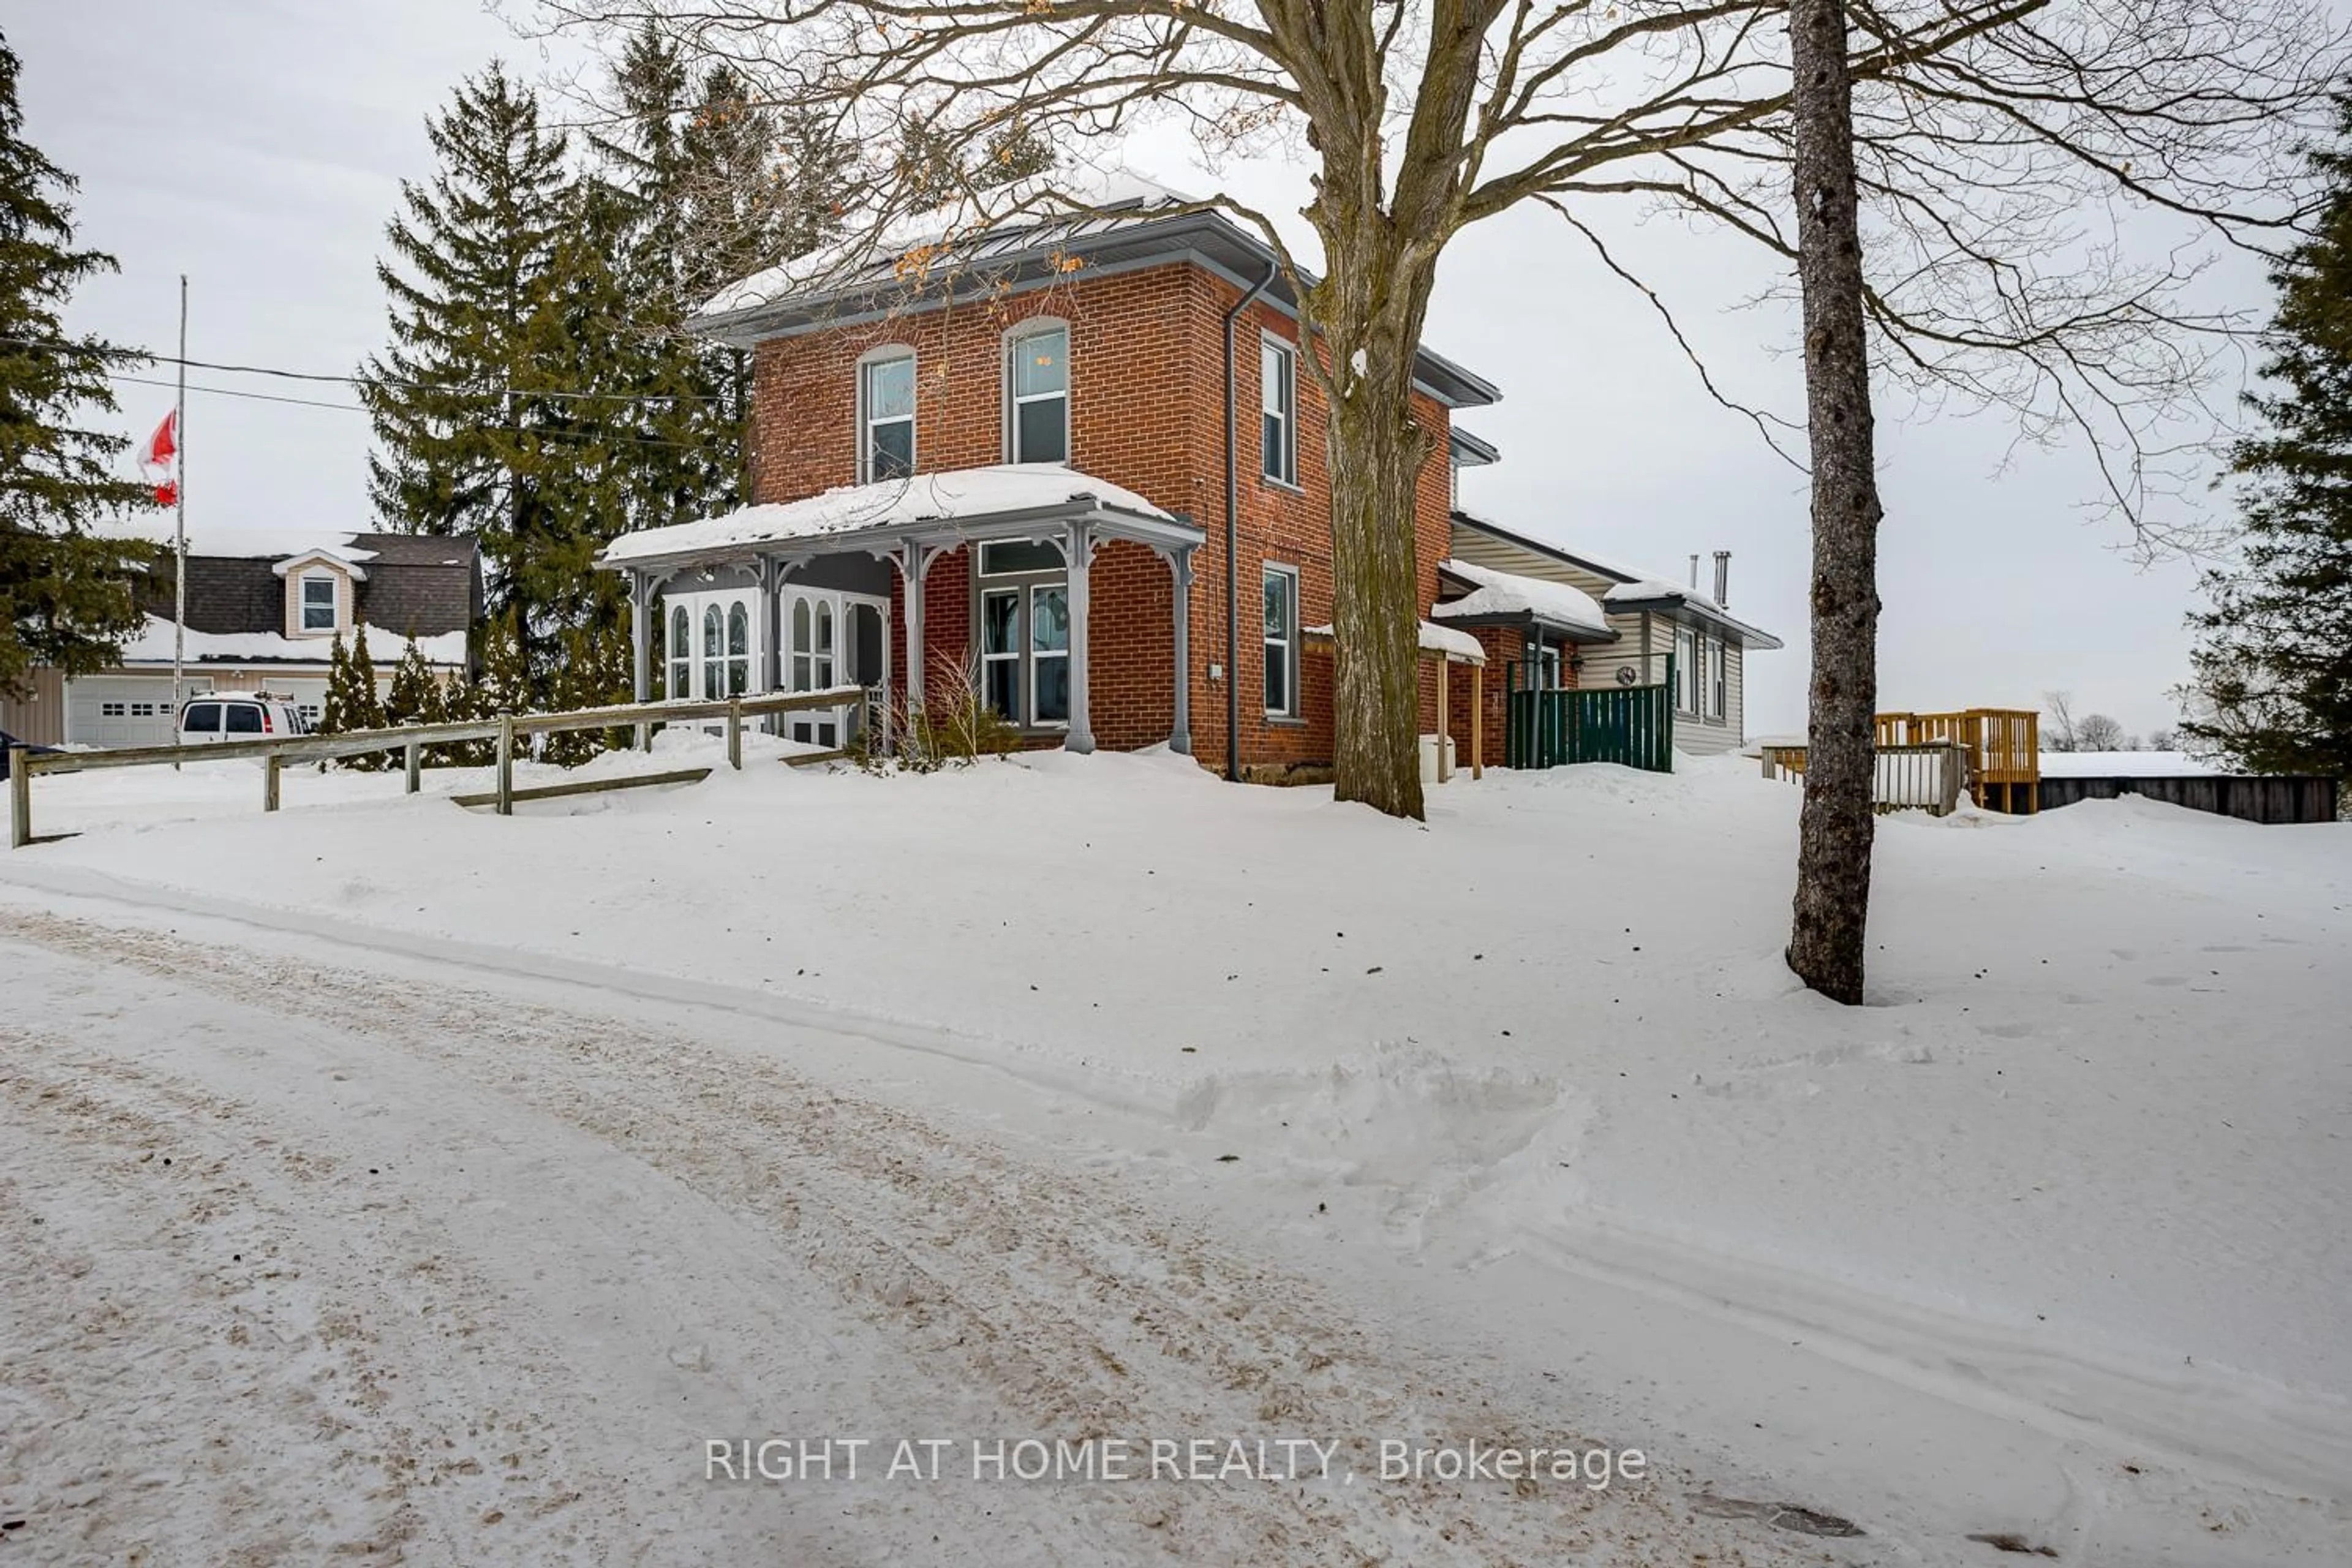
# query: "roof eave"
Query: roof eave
1207,239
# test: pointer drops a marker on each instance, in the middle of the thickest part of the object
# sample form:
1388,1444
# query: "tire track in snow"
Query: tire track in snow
1066,1304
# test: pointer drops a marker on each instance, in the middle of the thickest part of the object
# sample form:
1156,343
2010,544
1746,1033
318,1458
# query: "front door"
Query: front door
812,661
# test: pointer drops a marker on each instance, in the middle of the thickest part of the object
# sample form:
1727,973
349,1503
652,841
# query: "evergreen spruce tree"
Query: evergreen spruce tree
363,699
416,694
705,200
65,598
2271,682
501,406
334,714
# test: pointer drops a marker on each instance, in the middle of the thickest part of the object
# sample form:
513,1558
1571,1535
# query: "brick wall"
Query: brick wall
1148,412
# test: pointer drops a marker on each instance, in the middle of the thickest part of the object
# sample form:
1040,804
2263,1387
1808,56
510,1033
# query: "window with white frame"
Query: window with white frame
999,651
1278,396
1686,669
1024,631
681,654
1037,393
885,417
1049,653
319,601
1280,588
714,651
1719,679
739,650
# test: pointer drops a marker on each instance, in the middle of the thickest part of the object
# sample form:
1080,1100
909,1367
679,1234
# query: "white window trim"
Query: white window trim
697,605
1288,352
1036,326
1031,655
1289,643
1014,656
302,604
887,354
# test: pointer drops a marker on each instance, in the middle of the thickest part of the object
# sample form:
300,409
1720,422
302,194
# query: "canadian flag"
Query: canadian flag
156,458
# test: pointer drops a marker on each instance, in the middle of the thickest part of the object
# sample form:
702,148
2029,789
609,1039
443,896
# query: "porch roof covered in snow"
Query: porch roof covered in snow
911,523
930,511
1506,599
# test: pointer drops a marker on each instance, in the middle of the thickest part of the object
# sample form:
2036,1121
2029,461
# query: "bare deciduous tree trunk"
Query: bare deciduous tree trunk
1826,940
1375,459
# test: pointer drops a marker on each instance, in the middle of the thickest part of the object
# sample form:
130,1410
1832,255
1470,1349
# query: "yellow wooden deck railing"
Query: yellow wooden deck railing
2004,747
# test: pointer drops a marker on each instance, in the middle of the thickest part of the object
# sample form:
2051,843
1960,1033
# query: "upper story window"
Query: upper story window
1037,393
1278,393
1281,590
886,415
319,602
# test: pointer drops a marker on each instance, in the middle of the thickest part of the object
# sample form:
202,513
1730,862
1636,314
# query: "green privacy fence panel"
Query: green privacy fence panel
1631,725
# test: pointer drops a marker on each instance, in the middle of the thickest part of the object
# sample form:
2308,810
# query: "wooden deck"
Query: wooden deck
2004,747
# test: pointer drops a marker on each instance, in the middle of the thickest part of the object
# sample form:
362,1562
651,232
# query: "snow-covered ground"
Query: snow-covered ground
2046,1242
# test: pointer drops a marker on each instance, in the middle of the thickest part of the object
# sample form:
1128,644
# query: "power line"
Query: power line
390,383
231,391
537,433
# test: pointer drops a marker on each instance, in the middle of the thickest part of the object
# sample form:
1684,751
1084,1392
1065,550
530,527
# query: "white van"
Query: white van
218,716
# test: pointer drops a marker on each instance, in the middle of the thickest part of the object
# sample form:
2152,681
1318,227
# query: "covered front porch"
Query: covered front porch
845,589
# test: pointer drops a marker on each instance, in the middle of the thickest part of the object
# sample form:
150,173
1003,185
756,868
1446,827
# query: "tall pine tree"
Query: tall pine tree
2271,689
499,411
65,593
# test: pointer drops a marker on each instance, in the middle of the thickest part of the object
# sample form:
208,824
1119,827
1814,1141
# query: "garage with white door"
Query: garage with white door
122,710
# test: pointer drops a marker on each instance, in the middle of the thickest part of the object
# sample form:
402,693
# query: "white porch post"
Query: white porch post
1080,549
1179,572
640,646
912,561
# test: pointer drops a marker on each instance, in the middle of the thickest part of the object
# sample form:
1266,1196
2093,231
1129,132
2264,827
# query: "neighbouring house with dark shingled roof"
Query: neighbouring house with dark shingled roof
263,612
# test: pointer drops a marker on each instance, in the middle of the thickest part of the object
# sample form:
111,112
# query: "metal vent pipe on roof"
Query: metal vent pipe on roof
1723,578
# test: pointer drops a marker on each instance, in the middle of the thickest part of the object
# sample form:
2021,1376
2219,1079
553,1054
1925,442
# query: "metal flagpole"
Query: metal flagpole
180,521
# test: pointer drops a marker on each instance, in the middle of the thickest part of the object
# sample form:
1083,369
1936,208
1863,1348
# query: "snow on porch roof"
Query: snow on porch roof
1506,594
1458,646
957,495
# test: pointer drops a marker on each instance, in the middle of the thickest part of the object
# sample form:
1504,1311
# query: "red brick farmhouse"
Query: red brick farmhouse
1089,469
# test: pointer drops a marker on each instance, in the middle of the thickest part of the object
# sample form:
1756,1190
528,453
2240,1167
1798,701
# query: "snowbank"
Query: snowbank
2080,1157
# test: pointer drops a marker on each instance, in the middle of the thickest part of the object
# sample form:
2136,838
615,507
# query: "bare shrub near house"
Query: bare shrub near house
1998,145
955,727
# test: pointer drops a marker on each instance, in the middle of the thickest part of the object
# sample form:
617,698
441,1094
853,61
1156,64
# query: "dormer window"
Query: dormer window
1037,393
886,415
319,602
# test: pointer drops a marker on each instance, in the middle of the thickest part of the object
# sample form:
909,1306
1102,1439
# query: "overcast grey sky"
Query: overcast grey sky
256,145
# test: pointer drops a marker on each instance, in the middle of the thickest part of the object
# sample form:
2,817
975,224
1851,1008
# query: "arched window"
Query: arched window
738,650
823,649
681,655
714,656
1037,393
885,415
803,671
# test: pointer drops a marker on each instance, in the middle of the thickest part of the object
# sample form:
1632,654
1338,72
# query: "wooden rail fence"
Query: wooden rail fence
411,740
